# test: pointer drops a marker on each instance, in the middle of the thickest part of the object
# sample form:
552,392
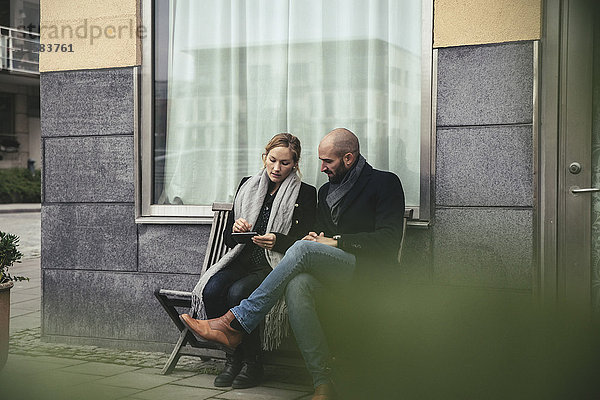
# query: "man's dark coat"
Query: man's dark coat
371,218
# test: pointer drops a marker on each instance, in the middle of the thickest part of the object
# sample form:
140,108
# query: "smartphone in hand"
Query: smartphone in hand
243,237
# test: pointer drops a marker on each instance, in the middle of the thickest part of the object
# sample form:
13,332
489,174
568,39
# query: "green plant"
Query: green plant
18,185
9,254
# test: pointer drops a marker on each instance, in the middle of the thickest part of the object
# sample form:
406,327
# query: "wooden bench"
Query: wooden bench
171,300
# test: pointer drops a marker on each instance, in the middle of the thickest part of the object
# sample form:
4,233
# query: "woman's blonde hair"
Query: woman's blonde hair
285,140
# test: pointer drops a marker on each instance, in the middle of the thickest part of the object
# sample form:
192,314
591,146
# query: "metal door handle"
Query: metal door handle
585,190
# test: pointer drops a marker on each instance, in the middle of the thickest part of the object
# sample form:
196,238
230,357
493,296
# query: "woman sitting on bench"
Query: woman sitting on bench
278,209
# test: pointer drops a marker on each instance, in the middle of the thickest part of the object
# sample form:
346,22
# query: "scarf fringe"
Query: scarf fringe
198,310
277,326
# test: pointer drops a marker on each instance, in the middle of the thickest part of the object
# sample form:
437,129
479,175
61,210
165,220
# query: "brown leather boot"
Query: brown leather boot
324,392
217,329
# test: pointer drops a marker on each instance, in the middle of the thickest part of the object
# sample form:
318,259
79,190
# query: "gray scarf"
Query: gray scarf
248,203
337,192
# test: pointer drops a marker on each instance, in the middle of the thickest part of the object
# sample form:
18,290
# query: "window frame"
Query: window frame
146,212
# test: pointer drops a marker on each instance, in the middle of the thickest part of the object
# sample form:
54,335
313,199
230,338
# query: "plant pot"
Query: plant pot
4,320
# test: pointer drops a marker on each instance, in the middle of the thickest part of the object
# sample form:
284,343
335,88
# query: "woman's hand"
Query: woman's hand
241,225
266,241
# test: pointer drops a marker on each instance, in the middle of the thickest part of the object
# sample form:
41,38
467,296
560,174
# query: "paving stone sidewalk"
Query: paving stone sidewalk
27,343
37,370
40,370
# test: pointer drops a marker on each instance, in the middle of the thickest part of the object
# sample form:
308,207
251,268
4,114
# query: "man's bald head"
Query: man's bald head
338,152
343,141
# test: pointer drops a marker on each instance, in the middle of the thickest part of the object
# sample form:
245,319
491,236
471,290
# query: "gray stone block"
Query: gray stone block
89,169
109,305
89,102
484,247
488,166
482,85
89,236
417,264
42,162
172,248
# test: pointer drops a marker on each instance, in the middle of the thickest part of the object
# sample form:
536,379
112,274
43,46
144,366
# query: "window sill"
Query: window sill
175,220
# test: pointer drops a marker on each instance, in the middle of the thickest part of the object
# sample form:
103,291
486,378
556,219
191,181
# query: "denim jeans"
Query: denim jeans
327,267
302,295
227,288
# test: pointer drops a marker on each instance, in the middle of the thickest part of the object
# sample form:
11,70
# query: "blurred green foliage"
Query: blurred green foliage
395,341
17,185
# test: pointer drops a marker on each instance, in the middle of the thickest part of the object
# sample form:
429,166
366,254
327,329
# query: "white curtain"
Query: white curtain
242,71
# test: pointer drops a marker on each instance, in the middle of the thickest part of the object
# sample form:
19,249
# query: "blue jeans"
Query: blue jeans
309,265
302,295
227,288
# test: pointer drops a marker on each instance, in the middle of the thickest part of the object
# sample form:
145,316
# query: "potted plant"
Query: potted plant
9,254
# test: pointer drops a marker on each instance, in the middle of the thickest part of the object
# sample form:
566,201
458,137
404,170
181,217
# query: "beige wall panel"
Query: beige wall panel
467,22
101,34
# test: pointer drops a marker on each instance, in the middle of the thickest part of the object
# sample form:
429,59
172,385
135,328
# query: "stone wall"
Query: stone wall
100,269
482,232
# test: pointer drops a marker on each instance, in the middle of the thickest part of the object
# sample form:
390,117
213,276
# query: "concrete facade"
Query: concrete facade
101,34
470,22
99,269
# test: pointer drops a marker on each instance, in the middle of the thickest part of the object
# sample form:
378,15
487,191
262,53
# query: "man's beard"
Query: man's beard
338,176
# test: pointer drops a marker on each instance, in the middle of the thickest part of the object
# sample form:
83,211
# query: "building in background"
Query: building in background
20,138
505,196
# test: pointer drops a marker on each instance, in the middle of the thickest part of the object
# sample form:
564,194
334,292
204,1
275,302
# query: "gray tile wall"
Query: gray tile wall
99,268
92,236
485,85
483,226
87,103
89,169
177,249
485,166
109,305
487,246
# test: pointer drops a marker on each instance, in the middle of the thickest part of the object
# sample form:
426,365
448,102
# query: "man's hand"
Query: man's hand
312,236
326,240
241,225
266,241
321,238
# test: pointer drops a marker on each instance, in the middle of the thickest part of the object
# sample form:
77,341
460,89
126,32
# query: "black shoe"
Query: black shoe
233,366
250,375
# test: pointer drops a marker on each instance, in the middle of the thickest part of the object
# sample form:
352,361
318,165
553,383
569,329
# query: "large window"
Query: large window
228,75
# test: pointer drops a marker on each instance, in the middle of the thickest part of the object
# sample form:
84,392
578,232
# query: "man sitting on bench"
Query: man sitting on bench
359,223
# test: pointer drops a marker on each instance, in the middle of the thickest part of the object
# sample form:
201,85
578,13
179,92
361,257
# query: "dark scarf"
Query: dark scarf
338,191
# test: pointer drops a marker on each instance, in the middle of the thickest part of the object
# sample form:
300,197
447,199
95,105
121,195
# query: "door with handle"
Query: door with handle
578,219
575,168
